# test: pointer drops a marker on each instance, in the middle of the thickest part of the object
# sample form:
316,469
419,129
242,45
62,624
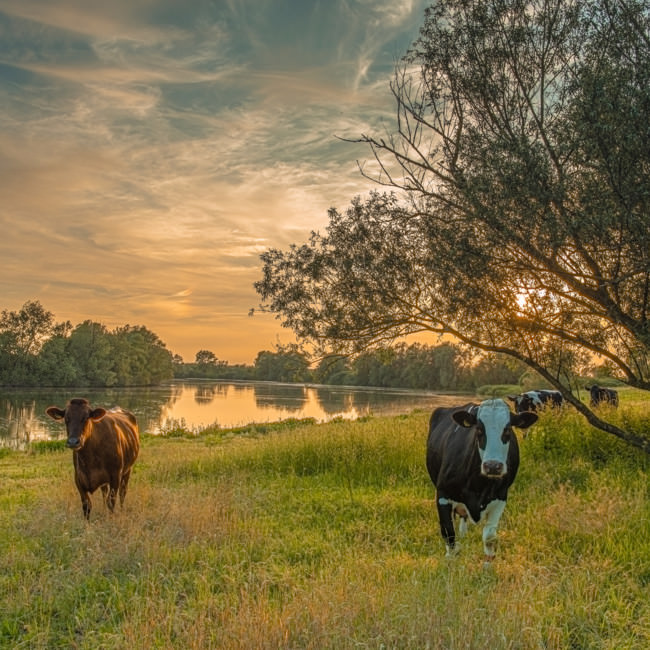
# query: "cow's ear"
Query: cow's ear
464,418
97,414
512,398
55,412
523,420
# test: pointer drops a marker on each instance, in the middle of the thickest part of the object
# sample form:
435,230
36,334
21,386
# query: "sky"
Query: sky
151,150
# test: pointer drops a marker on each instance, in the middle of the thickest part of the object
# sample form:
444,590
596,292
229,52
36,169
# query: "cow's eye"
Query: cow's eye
481,438
506,435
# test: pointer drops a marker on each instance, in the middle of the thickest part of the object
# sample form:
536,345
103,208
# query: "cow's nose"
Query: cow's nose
493,468
73,443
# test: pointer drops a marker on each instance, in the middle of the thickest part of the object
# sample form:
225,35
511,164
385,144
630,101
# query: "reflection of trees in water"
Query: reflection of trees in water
16,421
23,419
333,400
22,416
284,396
22,412
148,403
205,393
175,392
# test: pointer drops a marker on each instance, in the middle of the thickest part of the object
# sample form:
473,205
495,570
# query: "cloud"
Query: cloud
103,21
151,150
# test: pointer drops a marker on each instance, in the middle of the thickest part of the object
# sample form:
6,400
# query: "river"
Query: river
198,404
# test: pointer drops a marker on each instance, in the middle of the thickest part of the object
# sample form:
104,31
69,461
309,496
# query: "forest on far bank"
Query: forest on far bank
35,350
444,367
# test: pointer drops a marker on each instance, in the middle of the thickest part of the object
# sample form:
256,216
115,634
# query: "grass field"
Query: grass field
326,536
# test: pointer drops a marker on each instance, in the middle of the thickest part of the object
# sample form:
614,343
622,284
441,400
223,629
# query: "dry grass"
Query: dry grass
325,536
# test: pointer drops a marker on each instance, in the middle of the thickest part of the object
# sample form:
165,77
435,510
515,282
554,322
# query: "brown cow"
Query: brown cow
105,445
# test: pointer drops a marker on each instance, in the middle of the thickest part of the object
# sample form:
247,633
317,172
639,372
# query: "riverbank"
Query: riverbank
325,536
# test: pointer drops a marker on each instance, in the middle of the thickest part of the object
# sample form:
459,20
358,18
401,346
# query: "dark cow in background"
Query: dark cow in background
472,458
535,399
105,445
600,395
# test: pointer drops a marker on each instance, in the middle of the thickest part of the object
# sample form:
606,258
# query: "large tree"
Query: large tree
518,211
22,336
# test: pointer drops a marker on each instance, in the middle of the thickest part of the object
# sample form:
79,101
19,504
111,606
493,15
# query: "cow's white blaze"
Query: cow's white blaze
495,416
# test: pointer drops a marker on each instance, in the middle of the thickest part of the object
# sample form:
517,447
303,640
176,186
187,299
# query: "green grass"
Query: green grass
326,536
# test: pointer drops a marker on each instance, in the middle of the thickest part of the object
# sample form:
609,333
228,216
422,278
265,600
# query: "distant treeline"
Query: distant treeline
37,351
442,367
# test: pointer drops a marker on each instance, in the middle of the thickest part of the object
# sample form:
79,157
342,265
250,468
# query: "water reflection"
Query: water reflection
23,419
293,397
205,393
201,404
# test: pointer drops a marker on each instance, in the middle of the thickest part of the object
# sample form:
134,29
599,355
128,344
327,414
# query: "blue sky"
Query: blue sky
151,150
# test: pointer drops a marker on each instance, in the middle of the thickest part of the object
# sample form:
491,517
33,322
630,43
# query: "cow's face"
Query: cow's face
492,423
78,417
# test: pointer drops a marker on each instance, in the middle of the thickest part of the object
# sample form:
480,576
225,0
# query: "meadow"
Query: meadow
304,535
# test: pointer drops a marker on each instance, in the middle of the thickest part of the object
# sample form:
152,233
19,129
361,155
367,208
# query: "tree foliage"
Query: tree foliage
518,211
445,367
288,363
37,351
206,357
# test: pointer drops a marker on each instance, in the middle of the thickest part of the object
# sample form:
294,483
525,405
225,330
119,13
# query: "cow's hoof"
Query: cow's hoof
453,551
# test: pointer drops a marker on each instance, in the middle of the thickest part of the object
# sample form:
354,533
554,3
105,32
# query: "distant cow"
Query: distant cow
534,399
105,445
472,458
600,395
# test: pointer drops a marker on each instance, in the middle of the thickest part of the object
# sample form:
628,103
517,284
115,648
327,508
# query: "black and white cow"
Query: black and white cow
600,395
472,459
534,399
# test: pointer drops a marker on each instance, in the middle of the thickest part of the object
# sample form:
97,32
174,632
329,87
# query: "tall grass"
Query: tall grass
326,536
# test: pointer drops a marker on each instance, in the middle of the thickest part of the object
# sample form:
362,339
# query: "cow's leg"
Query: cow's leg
461,511
492,515
124,483
113,487
104,489
86,503
462,527
445,514
84,493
